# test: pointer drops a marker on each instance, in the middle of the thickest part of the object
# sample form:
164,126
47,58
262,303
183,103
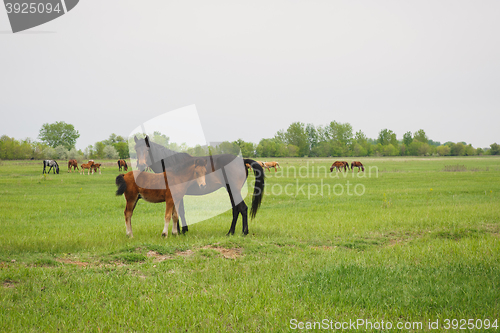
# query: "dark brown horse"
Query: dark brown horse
122,164
358,165
227,171
169,187
339,165
73,163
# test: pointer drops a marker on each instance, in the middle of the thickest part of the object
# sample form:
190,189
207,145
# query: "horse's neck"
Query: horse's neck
183,176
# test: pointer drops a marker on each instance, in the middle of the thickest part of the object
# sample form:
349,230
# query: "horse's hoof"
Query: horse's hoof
164,234
185,229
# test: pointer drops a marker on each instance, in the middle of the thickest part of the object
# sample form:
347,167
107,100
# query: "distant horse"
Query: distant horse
51,164
155,188
95,167
269,165
357,164
87,166
225,170
73,163
346,164
261,163
122,163
339,165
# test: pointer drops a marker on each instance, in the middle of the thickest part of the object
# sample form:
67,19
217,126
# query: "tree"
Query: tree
407,139
312,136
420,136
494,149
296,135
110,152
385,136
59,133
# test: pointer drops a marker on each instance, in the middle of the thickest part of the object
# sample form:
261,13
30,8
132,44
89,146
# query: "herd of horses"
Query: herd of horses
175,175
90,166
339,165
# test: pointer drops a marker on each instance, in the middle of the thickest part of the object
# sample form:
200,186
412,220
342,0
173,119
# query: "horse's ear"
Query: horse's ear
200,162
135,139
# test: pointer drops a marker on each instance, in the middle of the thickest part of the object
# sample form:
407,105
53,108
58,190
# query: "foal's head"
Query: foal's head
200,170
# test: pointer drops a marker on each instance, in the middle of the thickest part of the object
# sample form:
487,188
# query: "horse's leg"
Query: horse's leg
182,215
129,210
243,209
175,220
168,214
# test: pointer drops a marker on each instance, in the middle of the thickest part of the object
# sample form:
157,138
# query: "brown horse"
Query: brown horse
96,166
357,164
73,163
87,166
269,165
339,165
122,163
249,167
154,187
223,171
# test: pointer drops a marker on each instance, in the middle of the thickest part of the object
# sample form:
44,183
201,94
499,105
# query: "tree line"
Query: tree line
57,141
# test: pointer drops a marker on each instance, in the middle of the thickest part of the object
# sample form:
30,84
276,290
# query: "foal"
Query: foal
73,163
169,187
87,166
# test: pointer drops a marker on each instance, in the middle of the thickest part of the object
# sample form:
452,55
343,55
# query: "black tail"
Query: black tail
258,191
122,185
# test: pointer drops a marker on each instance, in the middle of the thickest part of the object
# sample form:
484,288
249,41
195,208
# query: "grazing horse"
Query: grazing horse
225,170
155,188
122,163
96,166
73,163
269,165
51,164
339,165
346,165
357,164
87,166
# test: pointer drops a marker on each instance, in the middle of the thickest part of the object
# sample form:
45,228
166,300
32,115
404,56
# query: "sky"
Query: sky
252,68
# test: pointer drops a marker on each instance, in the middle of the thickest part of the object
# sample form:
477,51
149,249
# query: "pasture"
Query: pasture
412,240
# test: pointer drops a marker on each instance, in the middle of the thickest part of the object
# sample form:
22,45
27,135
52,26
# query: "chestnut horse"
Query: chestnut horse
122,163
357,164
227,171
269,165
87,166
155,188
339,165
73,163
96,166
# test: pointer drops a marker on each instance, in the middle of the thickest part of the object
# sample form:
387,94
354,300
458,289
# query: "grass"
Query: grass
418,245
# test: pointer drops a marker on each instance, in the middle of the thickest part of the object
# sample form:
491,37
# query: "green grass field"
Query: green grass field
412,240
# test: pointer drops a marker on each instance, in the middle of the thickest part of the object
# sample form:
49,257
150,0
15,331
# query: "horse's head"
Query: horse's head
142,150
331,168
200,170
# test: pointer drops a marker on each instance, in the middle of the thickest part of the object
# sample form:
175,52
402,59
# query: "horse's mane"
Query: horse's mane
183,165
171,158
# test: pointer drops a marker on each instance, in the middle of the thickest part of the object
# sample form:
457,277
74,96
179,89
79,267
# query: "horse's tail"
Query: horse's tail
122,185
258,191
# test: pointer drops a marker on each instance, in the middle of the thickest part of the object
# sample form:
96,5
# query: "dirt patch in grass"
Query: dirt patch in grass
158,257
9,284
226,253
72,262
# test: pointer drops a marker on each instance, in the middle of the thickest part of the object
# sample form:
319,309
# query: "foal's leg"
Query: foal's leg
175,224
129,210
168,215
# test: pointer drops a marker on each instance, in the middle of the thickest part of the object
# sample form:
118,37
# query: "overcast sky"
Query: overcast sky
254,67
